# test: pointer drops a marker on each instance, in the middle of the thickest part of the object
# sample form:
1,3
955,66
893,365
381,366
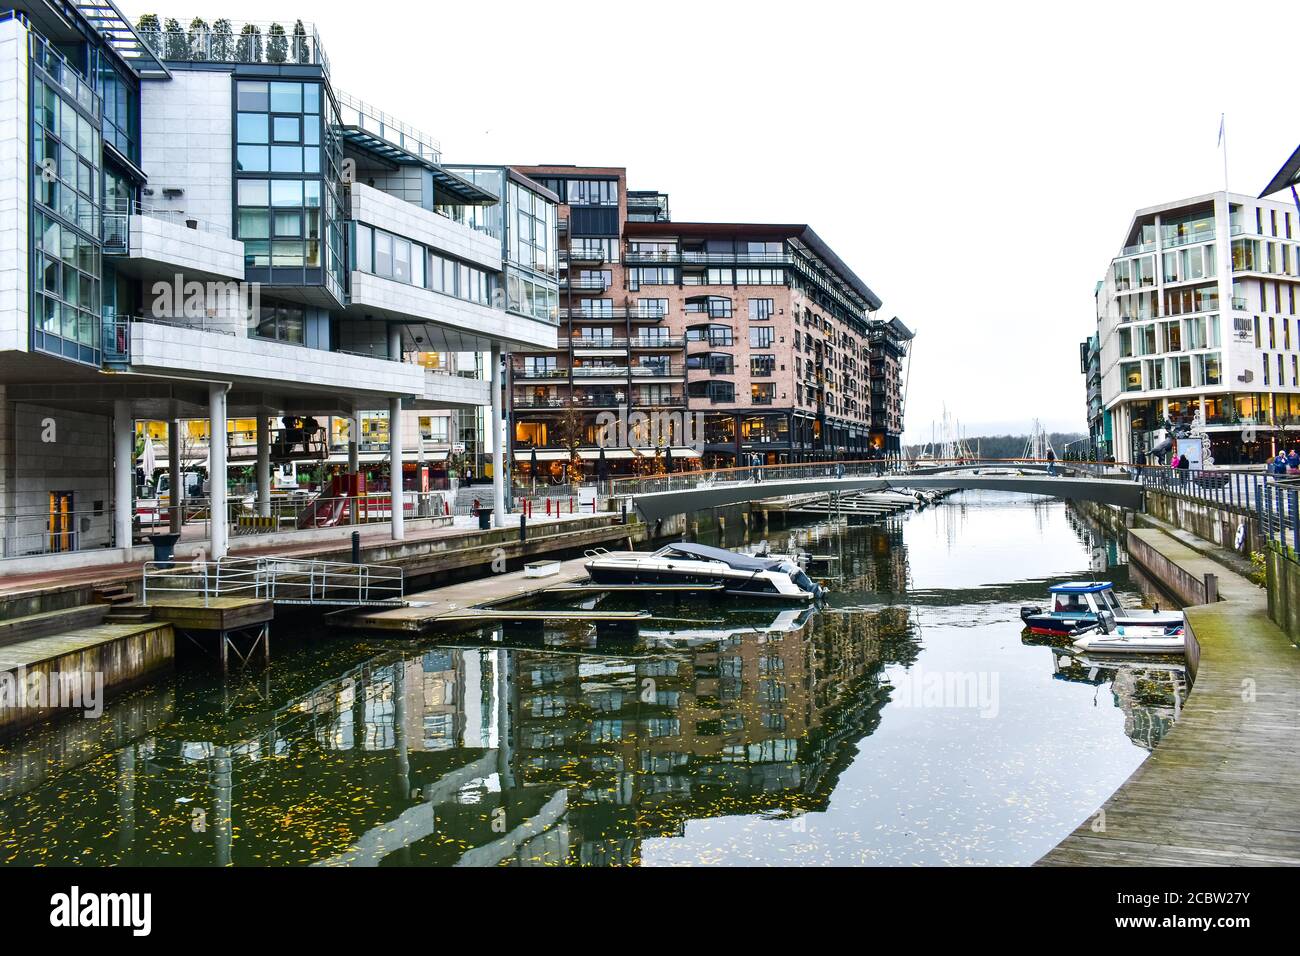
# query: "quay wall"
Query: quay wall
1206,520
1283,578
123,661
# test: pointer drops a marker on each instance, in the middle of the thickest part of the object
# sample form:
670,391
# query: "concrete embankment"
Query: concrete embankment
1223,786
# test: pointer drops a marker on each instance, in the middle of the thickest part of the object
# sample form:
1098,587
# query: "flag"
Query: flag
1220,142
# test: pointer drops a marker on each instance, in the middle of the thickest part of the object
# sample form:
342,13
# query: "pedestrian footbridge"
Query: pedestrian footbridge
667,495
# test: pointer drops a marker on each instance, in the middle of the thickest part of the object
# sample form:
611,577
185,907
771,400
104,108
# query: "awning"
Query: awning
542,455
611,454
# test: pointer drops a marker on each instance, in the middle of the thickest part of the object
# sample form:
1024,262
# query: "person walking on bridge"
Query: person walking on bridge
1051,462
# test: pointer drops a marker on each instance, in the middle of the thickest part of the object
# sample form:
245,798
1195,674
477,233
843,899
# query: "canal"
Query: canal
906,722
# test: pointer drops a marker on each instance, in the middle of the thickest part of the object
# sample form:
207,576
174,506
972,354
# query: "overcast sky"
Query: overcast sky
975,164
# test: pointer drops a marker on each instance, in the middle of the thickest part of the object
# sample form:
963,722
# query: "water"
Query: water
909,722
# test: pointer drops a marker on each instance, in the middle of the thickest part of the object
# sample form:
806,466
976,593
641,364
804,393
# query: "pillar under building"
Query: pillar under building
498,459
263,467
176,476
217,471
395,468
123,475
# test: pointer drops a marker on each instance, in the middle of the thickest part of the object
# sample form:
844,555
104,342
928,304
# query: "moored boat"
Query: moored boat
1079,606
684,563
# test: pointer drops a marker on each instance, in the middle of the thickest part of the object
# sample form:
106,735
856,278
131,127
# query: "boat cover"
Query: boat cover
741,562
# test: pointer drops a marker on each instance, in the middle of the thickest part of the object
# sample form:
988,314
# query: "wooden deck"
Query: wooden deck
424,608
1223,786
212,613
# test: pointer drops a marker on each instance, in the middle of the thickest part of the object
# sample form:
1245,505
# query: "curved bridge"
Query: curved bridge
689,493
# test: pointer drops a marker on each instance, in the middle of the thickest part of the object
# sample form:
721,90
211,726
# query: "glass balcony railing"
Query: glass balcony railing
226,42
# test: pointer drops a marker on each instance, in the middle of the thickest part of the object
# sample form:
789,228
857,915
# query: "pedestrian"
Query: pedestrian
1293,462
1051,462
1184,467
757,461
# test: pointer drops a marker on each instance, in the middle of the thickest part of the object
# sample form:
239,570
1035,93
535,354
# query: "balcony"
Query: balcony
657,342
220,349
634,313
593,256
593,342
585,283
374,207
377,297
151,242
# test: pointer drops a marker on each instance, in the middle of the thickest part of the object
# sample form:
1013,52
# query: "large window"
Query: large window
65,229
761,336
278,135
762,310
762,366
592,192
531,230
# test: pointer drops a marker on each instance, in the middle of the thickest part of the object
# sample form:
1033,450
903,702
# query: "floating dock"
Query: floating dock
424,609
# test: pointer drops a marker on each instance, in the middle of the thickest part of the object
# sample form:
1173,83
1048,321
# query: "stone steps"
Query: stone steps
29,626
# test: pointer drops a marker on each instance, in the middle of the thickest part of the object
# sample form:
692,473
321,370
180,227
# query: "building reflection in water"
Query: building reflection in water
500,746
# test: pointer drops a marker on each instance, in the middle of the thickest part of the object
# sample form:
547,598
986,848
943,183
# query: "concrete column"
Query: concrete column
498,458
217,472
395,342
175,474
123,473
354,445
263,467
395,466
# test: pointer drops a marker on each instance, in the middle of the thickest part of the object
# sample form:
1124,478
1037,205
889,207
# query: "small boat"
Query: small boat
1110,637
1078,607
776,578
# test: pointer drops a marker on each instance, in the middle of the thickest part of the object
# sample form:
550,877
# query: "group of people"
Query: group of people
1285,463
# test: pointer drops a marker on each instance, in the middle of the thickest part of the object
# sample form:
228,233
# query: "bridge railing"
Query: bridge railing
1273,500
684,480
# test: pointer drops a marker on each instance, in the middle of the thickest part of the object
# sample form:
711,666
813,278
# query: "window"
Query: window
715,306
652,307
761,310
278,135
761,366
277,320
762,393
761,336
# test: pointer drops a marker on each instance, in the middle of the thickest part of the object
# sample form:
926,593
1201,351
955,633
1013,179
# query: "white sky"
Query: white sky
975,164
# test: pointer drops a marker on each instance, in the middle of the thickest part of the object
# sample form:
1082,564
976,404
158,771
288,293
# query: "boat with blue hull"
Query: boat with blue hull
1080,607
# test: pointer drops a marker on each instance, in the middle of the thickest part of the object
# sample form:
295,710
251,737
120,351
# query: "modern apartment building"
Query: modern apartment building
1199,331
1090,366
761,329
198,225
889,343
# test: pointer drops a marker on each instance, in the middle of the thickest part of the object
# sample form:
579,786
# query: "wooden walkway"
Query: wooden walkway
424,608
1223,786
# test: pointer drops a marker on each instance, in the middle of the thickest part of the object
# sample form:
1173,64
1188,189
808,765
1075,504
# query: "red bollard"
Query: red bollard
570,506
548,506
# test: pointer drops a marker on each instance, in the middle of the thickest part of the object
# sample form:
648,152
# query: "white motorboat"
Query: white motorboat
776,578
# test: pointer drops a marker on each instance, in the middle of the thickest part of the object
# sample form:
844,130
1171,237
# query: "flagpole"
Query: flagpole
1223,138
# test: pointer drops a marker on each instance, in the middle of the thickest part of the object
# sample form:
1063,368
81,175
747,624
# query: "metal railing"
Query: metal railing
279,580
41,531
305,581
163,578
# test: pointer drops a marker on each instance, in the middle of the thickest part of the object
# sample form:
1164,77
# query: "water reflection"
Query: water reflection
708,734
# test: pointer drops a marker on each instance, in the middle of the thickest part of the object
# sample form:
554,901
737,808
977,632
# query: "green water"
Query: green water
907,722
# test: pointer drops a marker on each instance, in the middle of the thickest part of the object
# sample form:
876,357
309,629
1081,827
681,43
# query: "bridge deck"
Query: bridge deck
1223,786
696,495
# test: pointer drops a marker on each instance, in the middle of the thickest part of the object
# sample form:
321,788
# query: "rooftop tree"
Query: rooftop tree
176,45
200,39
223,40
277,44
248,49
